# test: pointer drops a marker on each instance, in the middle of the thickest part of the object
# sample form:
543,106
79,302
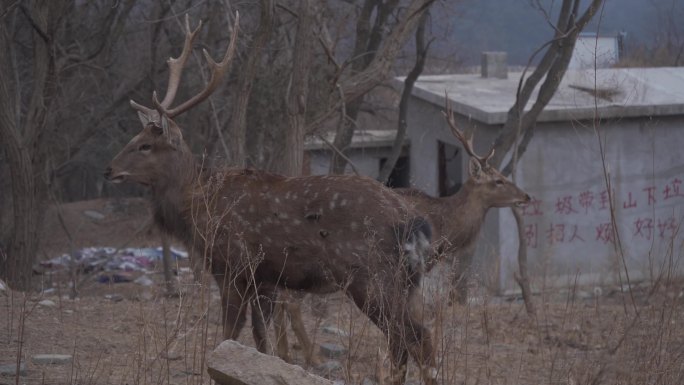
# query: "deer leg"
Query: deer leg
294,309
233,305
419,343
406,335
461,271
280,326
262,304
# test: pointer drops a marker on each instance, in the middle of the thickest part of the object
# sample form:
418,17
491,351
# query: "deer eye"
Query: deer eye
499,182
145,147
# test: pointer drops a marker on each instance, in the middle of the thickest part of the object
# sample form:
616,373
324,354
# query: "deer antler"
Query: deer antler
175,70
460,135
176,64
218,70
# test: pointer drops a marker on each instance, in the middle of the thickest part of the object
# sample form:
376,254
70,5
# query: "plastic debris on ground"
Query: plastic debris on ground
117,264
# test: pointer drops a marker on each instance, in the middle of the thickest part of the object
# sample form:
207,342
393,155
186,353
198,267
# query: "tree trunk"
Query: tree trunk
238,122
520,124
22,143
296,100
421,55
373,58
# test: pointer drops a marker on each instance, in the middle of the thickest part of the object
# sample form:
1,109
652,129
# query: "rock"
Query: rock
333,350
51,359
114,297
4,289
11,370
329,369
171,356
144,281
94,215
335,331
232,363
47,303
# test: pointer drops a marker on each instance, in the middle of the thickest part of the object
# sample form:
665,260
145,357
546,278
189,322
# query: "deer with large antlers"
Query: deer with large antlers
262,231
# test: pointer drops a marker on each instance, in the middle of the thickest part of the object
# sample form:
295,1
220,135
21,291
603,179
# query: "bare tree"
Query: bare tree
520,122
421,55
238,122
298,89
23,120
372,58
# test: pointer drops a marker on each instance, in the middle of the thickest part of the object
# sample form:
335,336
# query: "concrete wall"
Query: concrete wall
366,160
568,226
590,52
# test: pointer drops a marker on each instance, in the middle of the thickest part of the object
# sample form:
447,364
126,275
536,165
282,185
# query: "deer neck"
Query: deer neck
465,214
171,195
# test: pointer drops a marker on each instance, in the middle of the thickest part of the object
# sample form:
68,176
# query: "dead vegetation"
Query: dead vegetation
580,336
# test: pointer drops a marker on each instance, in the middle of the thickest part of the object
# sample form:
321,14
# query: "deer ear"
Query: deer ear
475,168
172,133
165,125
144,119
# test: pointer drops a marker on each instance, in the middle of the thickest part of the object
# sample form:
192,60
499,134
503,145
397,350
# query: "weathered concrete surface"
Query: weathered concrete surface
232,363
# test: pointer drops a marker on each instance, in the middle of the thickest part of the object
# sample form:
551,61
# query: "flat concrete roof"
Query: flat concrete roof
624,92
361,139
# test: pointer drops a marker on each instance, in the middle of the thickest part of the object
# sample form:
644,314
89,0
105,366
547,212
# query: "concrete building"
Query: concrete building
635,114
368,152
592,50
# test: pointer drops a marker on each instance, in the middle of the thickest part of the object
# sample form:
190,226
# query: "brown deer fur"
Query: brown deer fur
457,220
261,231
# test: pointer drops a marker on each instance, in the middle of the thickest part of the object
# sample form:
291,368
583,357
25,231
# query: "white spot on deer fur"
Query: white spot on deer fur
343,203
360,200
296,222
353,226
267,240
332,205
277,200
283,216
335,196
251,208
287,195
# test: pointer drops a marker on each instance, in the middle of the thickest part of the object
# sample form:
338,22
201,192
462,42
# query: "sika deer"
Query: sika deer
262,231
457,220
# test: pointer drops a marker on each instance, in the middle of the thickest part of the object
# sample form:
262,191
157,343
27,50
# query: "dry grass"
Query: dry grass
147,338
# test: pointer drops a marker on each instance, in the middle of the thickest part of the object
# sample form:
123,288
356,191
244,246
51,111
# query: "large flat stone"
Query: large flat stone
232,363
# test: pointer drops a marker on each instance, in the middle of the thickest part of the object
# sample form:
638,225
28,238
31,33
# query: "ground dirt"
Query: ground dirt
126,333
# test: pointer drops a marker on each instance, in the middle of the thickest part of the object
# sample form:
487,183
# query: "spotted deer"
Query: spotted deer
455,220
262,231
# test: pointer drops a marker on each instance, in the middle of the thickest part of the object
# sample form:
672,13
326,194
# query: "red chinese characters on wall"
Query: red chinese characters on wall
585,204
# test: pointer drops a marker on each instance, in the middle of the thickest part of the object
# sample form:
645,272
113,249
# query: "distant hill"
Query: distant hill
465,28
